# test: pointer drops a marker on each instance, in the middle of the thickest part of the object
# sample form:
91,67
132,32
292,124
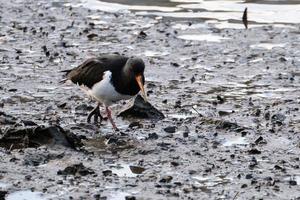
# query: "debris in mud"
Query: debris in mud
18,138
136,169
76,169
6,119
170,129
166,179
254,151
152,136
135,124
292,182
38,159
108,143
130,198
92,36
142,35
3,194
260,140
142,109
227,125
107,172
278,119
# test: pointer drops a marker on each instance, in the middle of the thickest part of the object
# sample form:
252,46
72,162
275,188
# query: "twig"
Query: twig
235,195
200,115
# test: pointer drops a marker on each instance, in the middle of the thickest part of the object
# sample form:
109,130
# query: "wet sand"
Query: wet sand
230,100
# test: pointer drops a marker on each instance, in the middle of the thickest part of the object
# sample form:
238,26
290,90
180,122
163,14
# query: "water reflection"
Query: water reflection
258,11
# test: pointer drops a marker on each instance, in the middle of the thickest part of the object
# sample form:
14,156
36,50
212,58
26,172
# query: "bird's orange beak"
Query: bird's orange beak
139,80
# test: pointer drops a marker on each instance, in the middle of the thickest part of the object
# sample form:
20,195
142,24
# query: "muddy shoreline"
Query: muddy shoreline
231,106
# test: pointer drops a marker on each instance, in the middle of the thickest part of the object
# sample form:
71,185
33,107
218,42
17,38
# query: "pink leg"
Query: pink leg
110,118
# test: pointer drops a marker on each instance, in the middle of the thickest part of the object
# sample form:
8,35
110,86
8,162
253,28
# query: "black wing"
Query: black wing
92,70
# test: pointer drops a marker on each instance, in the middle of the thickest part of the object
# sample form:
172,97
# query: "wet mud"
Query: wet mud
229,97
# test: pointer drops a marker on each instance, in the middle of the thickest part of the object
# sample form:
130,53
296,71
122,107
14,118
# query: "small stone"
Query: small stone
185,134
28,177
92,36
130,198
137,169
254,151
142,35
166,179
170,129
175,64
135,124
152,136
107,173
292,182
220,99
249,176
175,164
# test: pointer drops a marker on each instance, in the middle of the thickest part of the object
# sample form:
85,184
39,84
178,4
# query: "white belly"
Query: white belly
104,91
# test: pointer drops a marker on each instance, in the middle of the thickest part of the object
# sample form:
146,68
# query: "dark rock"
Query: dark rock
278,119
249,176
28,123
12,90
130,198
227,125
92,36
76,169
254,151
142,109
28,177
38,159
267,115
3,194
193,79
175,164
107,173
170,129
177,104
282,59
185,134
7,119
62,105
142,35
166,179
175,64
277,167
292,182
116,141
17,138
135,124
253,163
137,169
152,136
220,99
259,140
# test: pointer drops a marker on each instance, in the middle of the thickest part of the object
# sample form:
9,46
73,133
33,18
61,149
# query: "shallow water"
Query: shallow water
226,13
28,195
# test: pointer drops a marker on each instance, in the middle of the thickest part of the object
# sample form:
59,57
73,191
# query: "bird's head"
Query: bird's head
135,67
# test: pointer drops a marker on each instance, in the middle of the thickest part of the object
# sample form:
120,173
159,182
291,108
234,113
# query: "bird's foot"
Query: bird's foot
96,113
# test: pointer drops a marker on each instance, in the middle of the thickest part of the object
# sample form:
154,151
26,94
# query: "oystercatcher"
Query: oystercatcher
108,79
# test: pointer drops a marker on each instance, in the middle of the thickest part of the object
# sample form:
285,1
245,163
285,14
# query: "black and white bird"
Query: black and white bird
108,79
